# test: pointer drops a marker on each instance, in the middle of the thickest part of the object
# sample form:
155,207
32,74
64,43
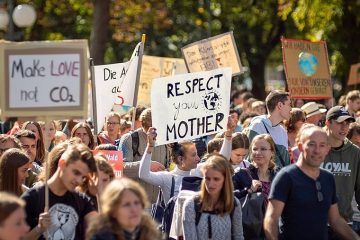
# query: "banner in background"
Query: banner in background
189,106
114,158
354,75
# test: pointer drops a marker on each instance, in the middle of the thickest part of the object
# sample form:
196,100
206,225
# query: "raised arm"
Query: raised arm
226,146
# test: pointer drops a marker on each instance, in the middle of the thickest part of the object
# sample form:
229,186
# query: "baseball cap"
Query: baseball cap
339,114
311,109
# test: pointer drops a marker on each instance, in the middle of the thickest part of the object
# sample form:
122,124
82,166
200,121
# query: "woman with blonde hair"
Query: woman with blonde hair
214,213
112,129
123,216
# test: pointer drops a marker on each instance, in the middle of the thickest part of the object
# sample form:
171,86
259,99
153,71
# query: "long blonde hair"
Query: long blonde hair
226,200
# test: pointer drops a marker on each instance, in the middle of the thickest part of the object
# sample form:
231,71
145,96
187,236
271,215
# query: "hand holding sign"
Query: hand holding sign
151,137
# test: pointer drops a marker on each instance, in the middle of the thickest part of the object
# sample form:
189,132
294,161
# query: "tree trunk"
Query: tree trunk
99,32
257,74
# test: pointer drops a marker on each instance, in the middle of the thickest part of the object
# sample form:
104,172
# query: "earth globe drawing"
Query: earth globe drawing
308,63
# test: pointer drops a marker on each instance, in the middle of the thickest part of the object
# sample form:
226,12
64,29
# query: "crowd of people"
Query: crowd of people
298,161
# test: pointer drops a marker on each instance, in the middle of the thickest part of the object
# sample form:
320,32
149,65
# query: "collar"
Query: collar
180,172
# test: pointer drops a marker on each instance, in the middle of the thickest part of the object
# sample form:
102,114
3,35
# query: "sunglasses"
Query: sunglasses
319,193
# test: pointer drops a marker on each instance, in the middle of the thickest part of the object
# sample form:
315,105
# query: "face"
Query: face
299,123
355,139
113,125
83,135
104,178
15,226
5,146
22,173
299,103
354,105
73,174
238,155
314,149
214,181
261,152
314,119
235,116
129,211
29,145
49,130
338,131
191,158
285,109
259,110
34,129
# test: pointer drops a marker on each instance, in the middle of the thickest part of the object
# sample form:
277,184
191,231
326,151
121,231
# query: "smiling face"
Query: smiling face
129,211
261,152
338,131
14,227
314,148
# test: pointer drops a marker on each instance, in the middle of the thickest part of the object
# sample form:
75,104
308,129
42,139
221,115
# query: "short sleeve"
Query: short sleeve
280,187
32,216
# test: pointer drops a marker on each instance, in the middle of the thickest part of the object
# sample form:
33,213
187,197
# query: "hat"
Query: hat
311,109
339,114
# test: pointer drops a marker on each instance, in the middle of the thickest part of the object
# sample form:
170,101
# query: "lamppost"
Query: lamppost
22,15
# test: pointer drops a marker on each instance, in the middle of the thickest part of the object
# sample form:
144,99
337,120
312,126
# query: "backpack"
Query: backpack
197,207
135,143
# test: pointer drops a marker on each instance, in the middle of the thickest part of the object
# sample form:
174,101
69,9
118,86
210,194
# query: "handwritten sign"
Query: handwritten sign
115,85
354,75
155,67
189,106
44,78
307,69
216,52
114,158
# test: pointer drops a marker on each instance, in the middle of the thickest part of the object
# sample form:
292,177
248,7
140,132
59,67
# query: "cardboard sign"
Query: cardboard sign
189,106
155,67
115,85
114,158
44,78
307,69
354,75
216,52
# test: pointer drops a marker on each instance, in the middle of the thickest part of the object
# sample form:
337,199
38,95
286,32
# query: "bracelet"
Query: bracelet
228,135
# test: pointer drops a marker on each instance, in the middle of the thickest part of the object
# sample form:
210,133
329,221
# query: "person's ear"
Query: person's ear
300,146
61,164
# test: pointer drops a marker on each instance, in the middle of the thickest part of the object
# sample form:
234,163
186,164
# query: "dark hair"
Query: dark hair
247,115
40,146
178,150
139,110
353,130
80,152
10,161
235,94
246,95
145,118
240,140
106,146
274,98
237,111
214,145
296,115
88,131
9,204
4,138
25,133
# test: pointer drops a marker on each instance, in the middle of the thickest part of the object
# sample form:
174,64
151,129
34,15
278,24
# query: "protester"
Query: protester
133,145
7,142
240,149
214,213
48,130
83,131
125,127
293,125
304,195
258,107
106,146
279,109
123,214
59,137
14,165
13,225
313,113
68,210
343,160
112,129
353,102
39,138
258,176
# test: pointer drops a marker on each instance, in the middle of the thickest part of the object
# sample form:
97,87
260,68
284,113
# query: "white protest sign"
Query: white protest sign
115,85
216,52
44,78
189,106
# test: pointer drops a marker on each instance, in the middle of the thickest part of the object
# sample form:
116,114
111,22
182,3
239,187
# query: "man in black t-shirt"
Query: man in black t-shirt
305,195
68,210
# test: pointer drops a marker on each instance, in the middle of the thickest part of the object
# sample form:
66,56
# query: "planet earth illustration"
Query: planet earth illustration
308,63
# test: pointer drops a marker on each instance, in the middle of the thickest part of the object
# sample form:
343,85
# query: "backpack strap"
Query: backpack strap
172,186
197,208
135,143
276,148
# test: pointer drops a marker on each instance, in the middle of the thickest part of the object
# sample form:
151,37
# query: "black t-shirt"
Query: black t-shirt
304,216
67,212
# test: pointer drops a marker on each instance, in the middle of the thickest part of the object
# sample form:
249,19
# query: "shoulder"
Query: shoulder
258,121
34,192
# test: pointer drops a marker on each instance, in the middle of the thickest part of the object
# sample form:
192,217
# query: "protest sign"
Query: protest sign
216,52
155,67
354,75
114,158
307,69
44,78
115,85
189,106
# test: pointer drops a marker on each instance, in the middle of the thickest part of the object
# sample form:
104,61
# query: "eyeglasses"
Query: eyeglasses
319,193
112,123
260,149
